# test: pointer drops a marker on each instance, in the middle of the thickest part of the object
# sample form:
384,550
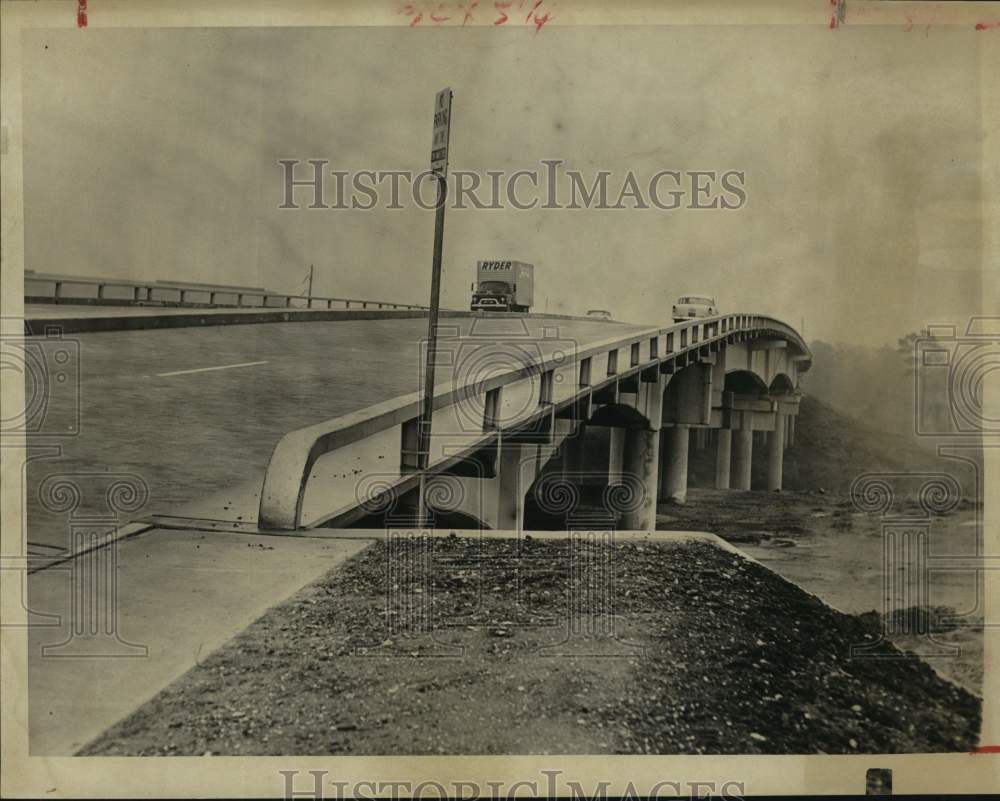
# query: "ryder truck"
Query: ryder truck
503,286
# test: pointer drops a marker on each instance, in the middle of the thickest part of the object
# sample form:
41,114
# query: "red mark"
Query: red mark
81,14
536,5
436,19
468,14
985,26
540,21
987,749
416,20
503,16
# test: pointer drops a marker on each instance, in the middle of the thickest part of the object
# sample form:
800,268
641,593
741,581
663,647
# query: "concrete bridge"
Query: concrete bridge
216,422
503,432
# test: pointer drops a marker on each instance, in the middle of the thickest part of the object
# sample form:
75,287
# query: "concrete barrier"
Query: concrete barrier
37,326
70,289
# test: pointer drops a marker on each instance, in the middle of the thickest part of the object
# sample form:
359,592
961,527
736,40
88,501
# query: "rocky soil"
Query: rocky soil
489,646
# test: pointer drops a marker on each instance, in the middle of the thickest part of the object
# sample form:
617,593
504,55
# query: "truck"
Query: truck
503,285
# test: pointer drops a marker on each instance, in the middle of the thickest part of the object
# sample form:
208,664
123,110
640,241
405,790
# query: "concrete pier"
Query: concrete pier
775,454
616,455
642,459
723,454
675,464
573,453
742,458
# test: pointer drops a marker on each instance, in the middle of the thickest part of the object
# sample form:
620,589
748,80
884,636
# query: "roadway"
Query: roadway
194,412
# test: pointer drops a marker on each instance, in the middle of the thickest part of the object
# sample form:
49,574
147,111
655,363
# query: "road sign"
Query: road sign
442,130
439,166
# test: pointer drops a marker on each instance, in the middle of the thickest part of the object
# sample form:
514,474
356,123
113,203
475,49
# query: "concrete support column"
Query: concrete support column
616,455
642,459
674,480
791,429
516,473
775,454
742,458
573,453
700,438
723,448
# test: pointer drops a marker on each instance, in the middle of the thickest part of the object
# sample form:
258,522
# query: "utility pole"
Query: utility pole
439,166
310,303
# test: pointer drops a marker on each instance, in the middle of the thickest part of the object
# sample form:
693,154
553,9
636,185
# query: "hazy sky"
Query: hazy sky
154,154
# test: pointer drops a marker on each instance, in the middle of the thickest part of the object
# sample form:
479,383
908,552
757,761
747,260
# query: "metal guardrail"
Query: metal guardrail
149,293
294,457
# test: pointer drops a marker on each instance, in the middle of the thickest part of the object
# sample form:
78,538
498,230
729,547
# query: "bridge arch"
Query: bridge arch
782,384
618,415
687,395
745,382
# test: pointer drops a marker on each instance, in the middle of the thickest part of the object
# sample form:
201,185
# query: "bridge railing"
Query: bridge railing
53,288
472,413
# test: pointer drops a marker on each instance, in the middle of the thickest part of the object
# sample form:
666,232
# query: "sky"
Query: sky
153,154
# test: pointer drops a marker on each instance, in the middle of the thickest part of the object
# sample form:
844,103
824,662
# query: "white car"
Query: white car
690,306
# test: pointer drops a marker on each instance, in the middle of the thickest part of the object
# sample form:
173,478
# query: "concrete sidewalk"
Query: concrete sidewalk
178,596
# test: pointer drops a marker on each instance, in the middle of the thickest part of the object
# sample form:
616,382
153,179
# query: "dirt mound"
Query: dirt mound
555,646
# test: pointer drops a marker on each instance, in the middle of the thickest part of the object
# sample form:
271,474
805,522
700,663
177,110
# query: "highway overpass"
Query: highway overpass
189,416
289,426
500,428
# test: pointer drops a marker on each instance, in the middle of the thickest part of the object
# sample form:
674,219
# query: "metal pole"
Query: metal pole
439,168
310,287
432,325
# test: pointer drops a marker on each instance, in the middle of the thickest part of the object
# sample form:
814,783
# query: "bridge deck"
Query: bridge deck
195,412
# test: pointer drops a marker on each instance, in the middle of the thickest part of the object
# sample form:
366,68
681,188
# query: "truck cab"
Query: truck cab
503,285
492,296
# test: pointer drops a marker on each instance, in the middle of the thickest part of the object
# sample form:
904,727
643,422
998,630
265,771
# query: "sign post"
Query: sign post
439,167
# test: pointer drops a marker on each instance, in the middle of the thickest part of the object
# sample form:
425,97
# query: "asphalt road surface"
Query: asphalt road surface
188,412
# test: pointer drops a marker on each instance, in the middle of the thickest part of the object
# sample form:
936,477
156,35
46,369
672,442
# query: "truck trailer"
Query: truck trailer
503,286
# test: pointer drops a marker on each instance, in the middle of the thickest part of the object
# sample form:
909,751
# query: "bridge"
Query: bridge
221,423
500,430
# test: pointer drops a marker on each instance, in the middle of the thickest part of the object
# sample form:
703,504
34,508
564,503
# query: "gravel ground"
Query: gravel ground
824,545
712,653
